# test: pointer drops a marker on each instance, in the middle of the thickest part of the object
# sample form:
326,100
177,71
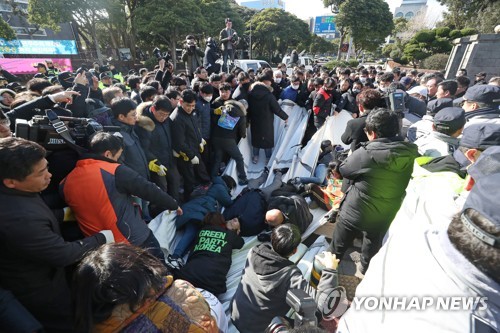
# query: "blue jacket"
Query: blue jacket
133,155
196,209
289,93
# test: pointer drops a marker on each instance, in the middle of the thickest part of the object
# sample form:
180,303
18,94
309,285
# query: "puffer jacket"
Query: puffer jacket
155,137
196,209
295,210
234,109
379,172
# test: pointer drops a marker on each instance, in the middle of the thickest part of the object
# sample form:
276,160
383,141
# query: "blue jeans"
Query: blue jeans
319,176
190,231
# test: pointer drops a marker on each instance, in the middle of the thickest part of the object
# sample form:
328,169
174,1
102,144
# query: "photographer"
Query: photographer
191,56
211,56
165,72
268,276
228,39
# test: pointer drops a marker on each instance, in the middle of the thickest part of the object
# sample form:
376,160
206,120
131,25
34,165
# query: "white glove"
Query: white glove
195,160
176,154
109,236
162,171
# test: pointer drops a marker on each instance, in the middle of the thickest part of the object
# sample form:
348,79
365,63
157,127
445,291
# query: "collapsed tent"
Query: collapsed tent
286,154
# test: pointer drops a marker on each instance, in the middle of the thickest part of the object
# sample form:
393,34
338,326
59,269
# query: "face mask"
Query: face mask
295,87
362,79
383,89
355,91
246,85
207,98
277,80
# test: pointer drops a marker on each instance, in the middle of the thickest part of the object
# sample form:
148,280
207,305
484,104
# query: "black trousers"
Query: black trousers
192,174
228,146
343,237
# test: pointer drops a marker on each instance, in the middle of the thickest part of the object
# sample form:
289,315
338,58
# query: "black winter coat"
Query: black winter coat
262,106
133,155
295,210
186,135
354,132
155,137
34,255
379,172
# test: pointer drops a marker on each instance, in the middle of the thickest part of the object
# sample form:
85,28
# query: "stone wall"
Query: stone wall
476,53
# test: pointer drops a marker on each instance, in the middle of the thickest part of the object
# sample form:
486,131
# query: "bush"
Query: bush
468,32
335,63
151,63
442,32
353,63
436,61
424,36
455,34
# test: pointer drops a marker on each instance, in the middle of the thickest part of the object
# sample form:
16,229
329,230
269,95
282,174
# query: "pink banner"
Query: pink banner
26,65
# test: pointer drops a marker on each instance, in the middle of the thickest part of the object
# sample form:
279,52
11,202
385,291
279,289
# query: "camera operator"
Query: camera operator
166,68
211,55
192,56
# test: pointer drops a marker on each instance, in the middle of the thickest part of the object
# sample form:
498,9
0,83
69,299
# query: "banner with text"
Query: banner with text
26,65
28,46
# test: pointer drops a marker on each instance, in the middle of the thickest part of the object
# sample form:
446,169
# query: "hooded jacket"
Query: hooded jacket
155,137
262,106
234,109
261,293
379,172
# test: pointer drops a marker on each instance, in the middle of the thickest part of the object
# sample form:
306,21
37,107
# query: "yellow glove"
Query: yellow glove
218,111
184,156
68,215
202,145
161,170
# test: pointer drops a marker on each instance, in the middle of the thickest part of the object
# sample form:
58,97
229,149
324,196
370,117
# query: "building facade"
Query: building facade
411,8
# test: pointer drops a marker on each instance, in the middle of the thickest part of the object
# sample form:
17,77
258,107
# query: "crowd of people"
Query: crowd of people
75,247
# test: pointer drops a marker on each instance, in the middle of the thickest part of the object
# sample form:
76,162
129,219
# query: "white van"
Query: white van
303,60
254,64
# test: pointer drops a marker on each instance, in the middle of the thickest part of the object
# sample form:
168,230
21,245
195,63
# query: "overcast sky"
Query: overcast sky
310,8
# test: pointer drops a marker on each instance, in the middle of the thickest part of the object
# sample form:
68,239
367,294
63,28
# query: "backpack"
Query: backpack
250,208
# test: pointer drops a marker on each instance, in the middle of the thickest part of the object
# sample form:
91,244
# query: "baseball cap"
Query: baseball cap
405,80
450,119
16,86
66,79
40,64
483,93
418,90
481,74
488,163
436,105
484,198
481,135
104,75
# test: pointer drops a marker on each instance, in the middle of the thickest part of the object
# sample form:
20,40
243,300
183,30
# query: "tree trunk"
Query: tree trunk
96,45
342,37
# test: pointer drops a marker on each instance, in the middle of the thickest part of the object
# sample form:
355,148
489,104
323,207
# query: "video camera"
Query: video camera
165,55
304,307
395,100
57,133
